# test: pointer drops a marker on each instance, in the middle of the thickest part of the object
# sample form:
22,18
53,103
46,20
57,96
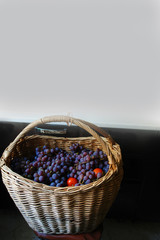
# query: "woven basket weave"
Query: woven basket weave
63,210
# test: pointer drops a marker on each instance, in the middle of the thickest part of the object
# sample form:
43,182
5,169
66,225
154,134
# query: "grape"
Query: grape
50,179
71,168
59,185
79,167
75,175
82,160
58,167
87,173
52,150
35,174
77,184
52,184
57,181
83,166
41,178
74,171
99,175
85,178
71,174
46,170
88,181
65,167
56,149
40,172
81,176
50,168
62,183
54,176
55,169
88,167
62,164
63,179
53,166
83,171
84,154
91,176
36,179
106,168
27,170
62,170
49,174
35,164
105,163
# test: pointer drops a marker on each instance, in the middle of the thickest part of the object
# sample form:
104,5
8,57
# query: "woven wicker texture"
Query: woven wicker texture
63,210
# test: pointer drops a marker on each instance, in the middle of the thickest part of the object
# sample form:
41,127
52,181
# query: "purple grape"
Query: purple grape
52,150
46,170
85,178
35,164
52,184
105,163
58,167
49,164
41,178
87,158
83,171
36,179
65,167
35,175
81,176
59,185
106,168
87,173
79,167
50,168
83,166
49,174
63,178
57,181
71,174
88,167
88,181
40,172
99,175
82,160
74,171
62,170
54,176
70,168
56,149
28,170
50,179
77,184
55,169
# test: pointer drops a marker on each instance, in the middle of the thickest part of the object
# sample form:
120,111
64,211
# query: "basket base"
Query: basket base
95,235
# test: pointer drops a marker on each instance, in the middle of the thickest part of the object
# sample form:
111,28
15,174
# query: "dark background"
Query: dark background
139,195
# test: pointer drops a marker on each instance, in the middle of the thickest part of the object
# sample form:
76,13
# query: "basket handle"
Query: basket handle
69,120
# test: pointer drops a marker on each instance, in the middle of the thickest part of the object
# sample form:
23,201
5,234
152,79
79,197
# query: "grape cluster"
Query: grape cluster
55,166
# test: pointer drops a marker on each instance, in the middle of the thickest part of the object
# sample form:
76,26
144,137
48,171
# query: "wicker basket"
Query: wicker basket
63,210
